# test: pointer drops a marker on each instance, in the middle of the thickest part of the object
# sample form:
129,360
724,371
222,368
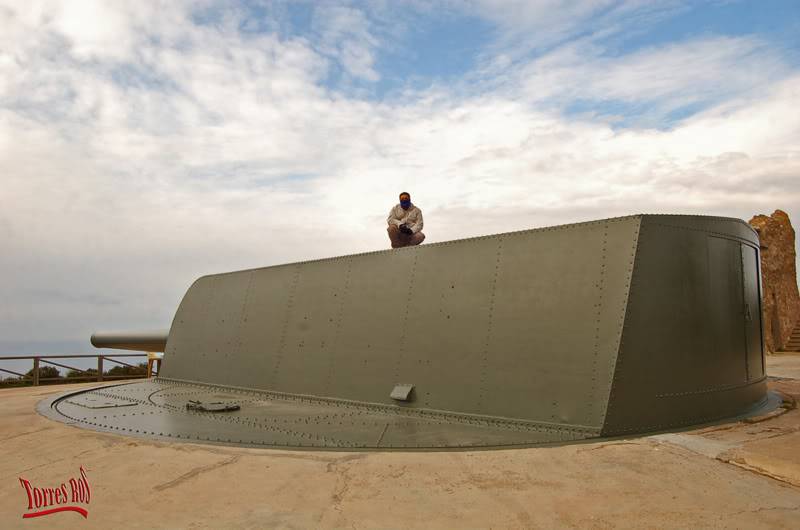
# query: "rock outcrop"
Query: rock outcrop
781,301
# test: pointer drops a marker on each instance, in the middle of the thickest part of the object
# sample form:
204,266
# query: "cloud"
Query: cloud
526,27
344,33
702,70
195,145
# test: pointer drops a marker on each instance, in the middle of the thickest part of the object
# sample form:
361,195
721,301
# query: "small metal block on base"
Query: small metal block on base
402,392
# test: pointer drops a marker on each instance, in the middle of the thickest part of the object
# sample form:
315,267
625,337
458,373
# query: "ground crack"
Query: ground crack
774,508
195,472
757,470
25,433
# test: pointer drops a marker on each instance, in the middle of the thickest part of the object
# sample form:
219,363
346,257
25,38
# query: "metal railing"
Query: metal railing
38,360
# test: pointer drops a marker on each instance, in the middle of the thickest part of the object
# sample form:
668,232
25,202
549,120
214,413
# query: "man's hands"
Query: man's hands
405,229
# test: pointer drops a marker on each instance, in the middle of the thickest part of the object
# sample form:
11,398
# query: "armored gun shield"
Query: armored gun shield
611,327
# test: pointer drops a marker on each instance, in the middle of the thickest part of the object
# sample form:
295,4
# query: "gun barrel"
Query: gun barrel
155,340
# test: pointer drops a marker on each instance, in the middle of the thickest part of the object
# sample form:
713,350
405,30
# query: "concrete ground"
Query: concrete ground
784,364
738,475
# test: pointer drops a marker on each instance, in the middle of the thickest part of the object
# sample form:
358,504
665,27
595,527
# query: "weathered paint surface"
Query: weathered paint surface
691,350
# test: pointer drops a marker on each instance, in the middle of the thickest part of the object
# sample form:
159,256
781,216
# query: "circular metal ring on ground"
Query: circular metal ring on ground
157,409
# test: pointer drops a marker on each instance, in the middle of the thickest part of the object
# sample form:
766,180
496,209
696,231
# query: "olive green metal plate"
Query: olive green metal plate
157,409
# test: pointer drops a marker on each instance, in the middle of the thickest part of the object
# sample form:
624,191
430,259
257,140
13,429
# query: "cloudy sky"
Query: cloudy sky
143,144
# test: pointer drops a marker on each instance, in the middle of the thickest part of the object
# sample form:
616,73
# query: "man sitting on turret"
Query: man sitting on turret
405,223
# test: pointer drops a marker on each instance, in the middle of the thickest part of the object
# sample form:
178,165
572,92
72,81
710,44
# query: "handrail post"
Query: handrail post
35,371
99,367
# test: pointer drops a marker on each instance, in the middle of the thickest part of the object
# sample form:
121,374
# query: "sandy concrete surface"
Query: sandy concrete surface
738,475
784,364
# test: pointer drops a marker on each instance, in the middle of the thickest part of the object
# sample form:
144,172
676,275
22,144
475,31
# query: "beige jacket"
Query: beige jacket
411,217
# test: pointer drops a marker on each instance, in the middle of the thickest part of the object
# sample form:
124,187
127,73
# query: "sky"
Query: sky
144,144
